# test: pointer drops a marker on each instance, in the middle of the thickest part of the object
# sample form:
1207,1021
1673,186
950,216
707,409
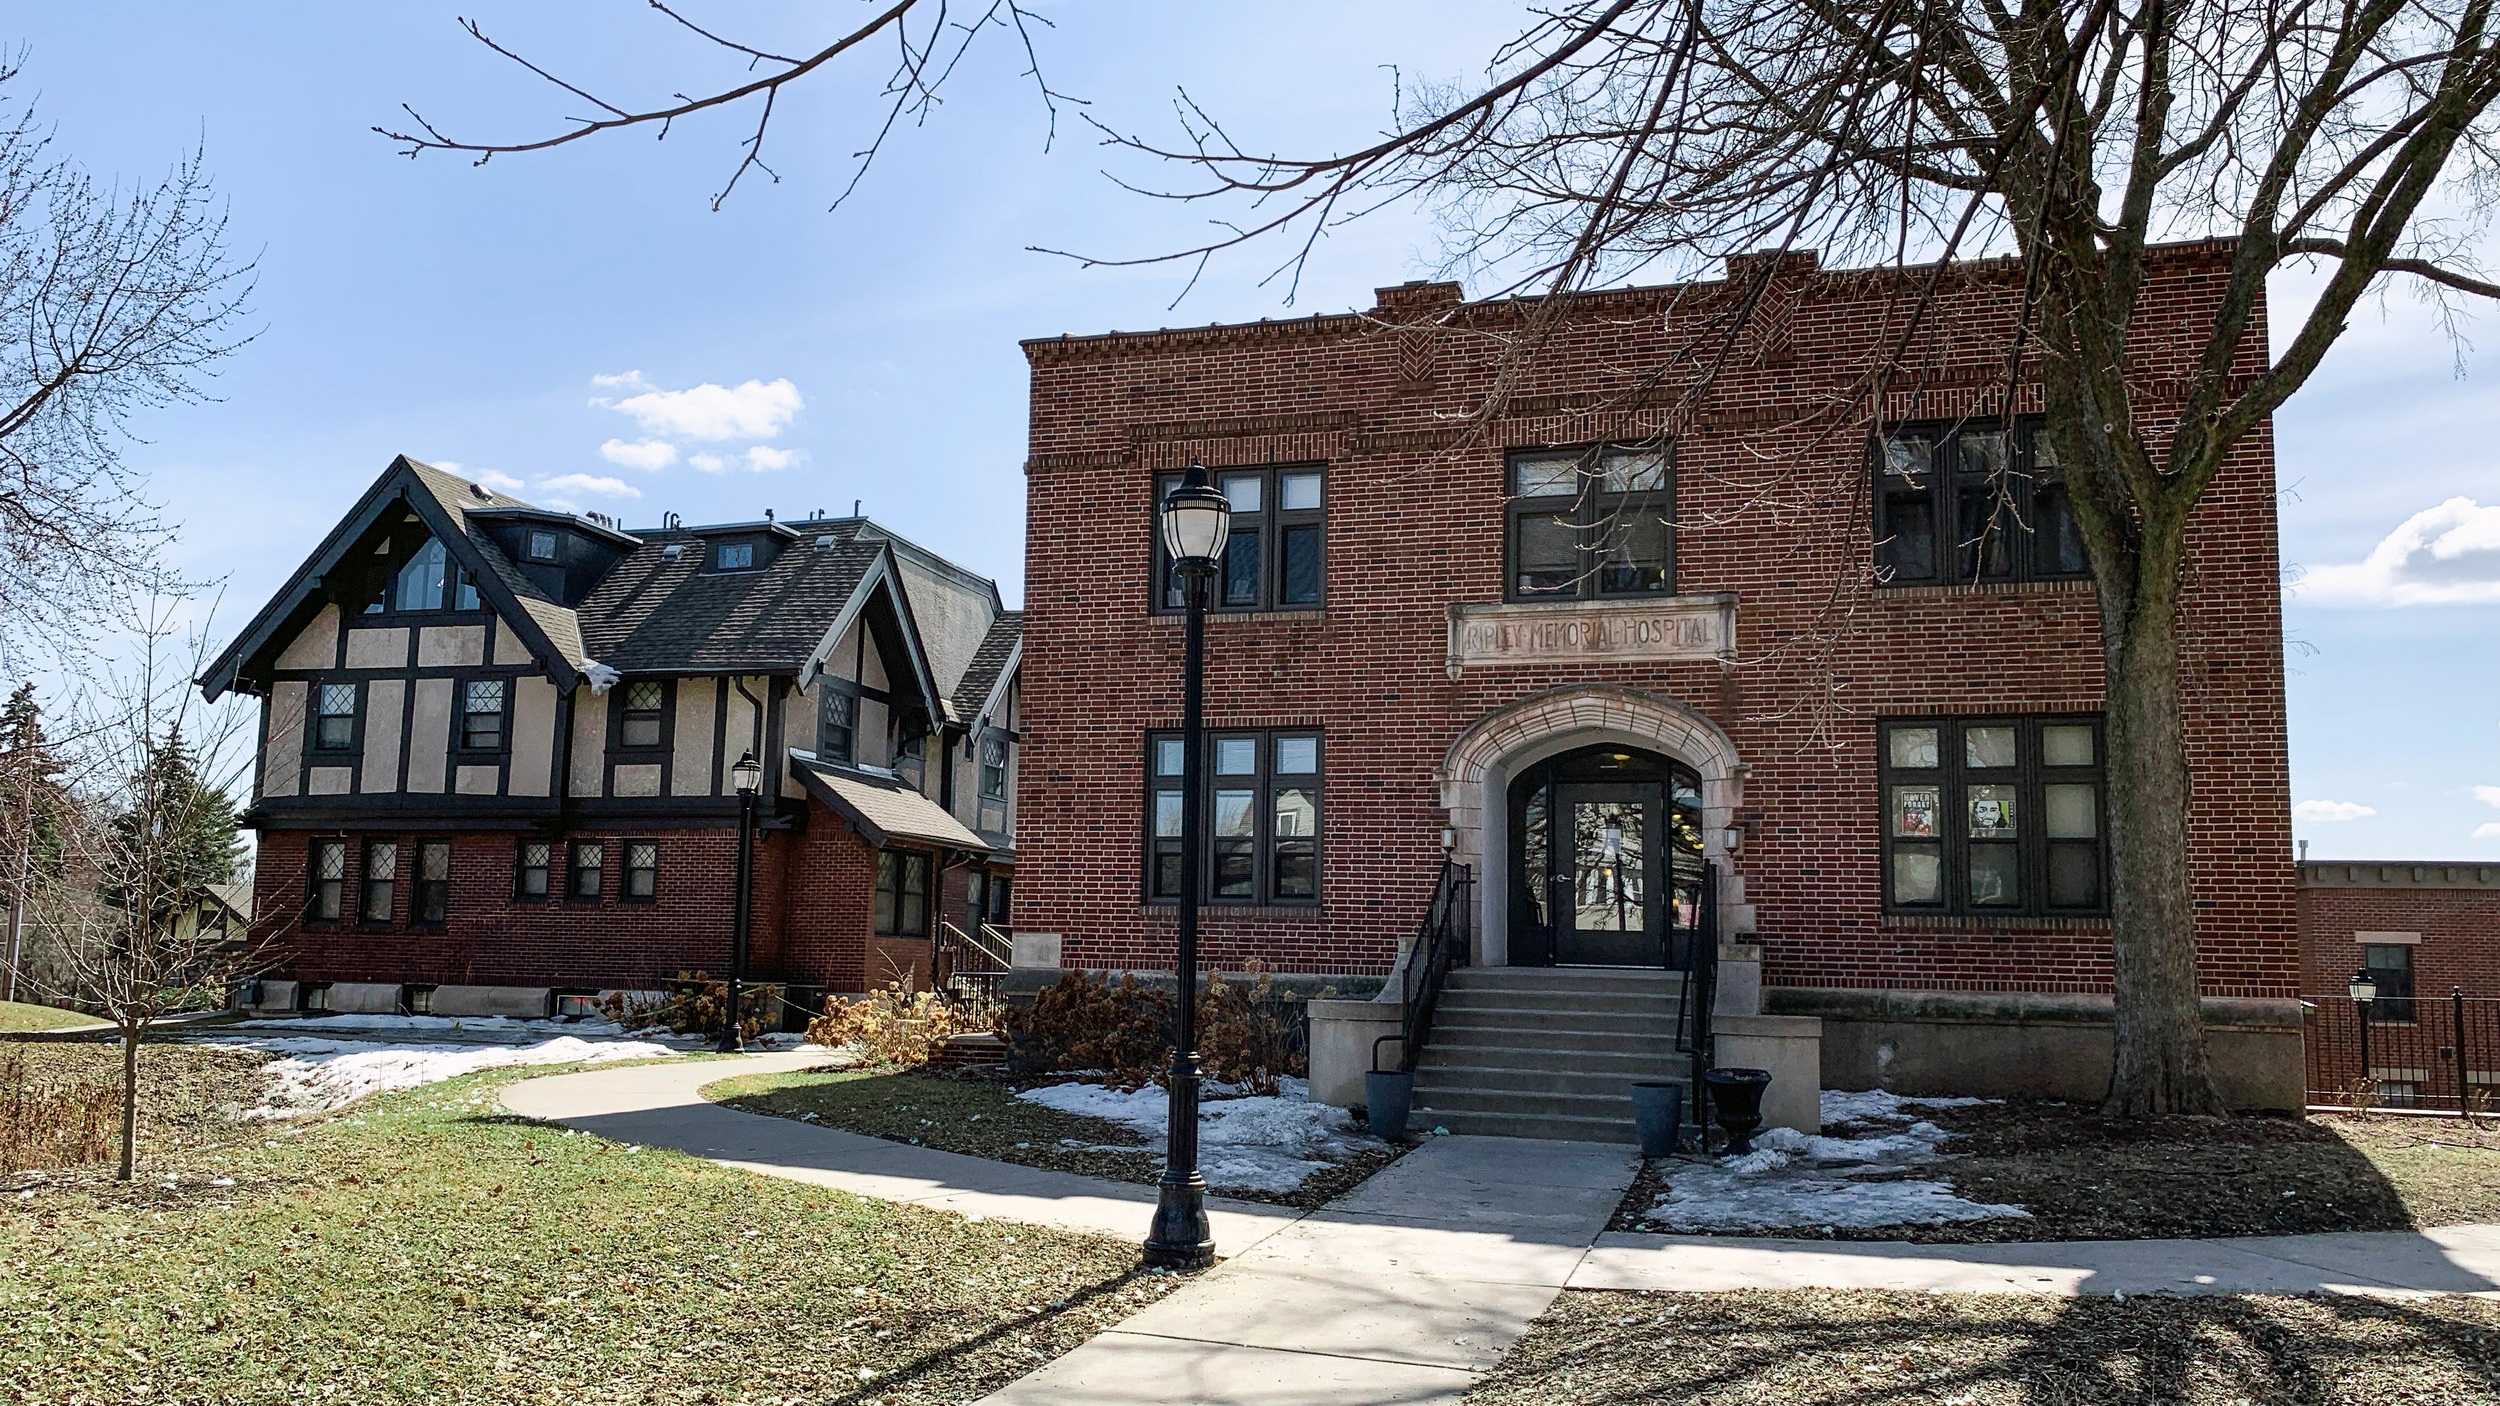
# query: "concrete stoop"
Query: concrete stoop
1547,1052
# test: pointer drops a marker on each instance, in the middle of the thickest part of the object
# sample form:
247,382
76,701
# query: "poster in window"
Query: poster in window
1992,812
1914,811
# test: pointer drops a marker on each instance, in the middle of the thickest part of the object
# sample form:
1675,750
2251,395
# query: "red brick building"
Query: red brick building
497,743
1847,652
2418,927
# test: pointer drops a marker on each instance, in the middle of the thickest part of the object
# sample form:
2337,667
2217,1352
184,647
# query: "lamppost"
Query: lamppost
2364,990
748,776
1196,523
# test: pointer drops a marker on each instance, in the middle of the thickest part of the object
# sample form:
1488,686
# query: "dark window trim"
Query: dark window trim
886,902
355,747
573,868
382,603
1264,781
617,746
999,738
421,888
828,688
1270,522
2030,777
521,867
2393,1007
625,872
2018,515
313,880
529,545
460,722
365,881
1589,508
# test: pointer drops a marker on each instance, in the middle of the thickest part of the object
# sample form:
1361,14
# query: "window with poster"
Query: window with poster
1993,816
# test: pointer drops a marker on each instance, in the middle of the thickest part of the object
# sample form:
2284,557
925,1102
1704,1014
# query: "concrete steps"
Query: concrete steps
1548,1052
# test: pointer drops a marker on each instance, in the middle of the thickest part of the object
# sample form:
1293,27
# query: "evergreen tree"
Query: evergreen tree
176,835
32,843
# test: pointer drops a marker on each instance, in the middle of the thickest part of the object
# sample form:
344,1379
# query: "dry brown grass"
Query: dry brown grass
46,1122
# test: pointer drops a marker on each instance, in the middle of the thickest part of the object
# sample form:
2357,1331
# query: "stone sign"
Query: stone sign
1592,632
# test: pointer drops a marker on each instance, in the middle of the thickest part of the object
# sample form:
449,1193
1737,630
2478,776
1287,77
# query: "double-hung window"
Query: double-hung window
1588,524
433,897
837,722
1263,796
642,871
530,869
381,880
902,893
642,715
1276,558
588,878
325,880
2390,965
334,716
1995,815
482,714
1966,503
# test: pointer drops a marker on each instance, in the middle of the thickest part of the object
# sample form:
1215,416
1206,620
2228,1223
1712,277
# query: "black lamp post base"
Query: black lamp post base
1181,1238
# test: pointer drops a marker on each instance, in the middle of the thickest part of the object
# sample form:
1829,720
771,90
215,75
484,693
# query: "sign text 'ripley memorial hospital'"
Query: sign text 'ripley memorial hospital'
1686,627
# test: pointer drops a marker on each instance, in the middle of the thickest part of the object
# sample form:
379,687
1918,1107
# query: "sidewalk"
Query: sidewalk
1408,1287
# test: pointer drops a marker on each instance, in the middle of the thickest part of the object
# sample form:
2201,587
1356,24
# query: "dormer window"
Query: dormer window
429,581
542,546
733,556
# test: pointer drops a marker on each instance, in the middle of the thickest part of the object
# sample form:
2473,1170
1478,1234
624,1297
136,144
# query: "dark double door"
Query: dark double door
1606,861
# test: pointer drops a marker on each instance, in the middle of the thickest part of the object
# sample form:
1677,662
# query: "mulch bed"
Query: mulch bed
2086,1177
976,1112
1828,1347
191,1097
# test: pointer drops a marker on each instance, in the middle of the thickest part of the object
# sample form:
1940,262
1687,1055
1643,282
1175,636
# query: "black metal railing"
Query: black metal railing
1440,944
2430,1052
1700,985
970,963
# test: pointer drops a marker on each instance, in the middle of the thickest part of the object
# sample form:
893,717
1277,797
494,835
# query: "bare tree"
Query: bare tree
150,830
112,302
2351,137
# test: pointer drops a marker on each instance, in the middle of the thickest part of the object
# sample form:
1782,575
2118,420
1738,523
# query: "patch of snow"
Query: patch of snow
1260,1143
1842,1107
1794,1180
316,1075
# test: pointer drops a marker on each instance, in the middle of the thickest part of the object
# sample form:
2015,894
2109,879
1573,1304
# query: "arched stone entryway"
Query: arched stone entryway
1475,778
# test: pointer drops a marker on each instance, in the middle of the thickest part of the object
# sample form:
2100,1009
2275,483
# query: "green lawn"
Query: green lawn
17,1015
1832,1348
423,1247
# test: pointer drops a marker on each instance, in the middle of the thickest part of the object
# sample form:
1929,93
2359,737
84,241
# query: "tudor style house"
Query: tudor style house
1623,626
497,742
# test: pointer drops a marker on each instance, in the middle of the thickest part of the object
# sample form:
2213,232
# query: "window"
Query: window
1993,816
430,581
837,720
481,715
902,893
1262,828
588,857
334,722
642,871
1964,503
381,880
433,903
542,545
909,759
2390,965
1592,523
1000,886
642,714
1276,556
733,556
994,767
529,875
325,880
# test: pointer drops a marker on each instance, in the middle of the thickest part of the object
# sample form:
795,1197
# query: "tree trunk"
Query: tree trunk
130,1101
2160,1064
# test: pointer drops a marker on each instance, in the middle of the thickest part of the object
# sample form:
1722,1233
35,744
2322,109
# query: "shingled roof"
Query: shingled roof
657,615
980,680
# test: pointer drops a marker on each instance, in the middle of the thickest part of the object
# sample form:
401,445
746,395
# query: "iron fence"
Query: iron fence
2428,1052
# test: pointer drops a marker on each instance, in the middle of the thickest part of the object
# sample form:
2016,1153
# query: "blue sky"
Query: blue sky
539,320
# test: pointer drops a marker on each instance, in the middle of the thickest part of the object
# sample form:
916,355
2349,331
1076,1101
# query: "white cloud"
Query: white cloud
2330,810
586,483
649,454
501,483
2444,555
2489,830
709,463
2488,795
627,380
748,410
763,457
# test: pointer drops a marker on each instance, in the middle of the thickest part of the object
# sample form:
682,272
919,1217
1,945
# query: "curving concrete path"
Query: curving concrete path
1408,1287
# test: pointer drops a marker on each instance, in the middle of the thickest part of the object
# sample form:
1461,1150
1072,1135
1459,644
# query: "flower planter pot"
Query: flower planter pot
1658,1114
1386,1101
1736,1097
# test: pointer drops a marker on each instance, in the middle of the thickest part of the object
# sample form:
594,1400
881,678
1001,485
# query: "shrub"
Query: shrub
698,1006
1248,1034
897,1025
49,1124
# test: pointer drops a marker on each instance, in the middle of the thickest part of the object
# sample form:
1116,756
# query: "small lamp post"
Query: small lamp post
2364,990
748,776
1197,521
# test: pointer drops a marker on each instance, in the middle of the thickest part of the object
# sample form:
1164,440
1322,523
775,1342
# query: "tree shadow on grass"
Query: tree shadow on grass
949,1357
1789,1348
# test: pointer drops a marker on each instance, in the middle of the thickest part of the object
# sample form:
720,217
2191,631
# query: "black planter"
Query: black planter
1736,1098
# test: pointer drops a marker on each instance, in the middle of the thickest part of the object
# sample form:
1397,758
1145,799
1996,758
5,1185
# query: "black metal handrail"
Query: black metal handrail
1440,944
965,964
1700,985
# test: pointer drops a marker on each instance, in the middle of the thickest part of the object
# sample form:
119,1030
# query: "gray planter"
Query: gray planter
1658,1112
1386,1101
